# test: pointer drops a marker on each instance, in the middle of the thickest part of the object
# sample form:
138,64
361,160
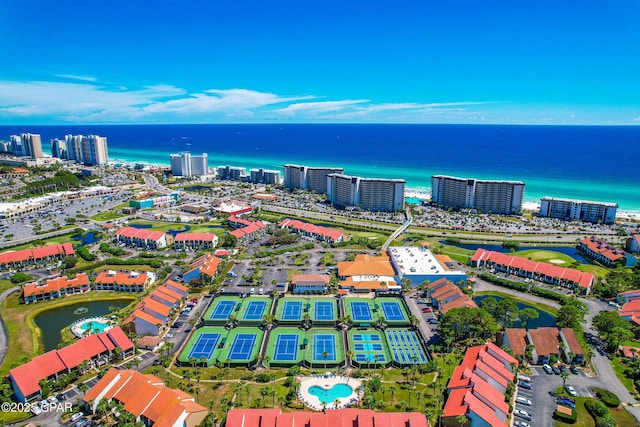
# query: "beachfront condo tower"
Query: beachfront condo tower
26,145
308,177
581,210
486,196
89,150
186,165
372,194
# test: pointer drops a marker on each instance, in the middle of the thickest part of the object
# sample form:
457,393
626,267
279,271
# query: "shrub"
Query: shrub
263,377
293,371
596,408
569,419
609,398
20,278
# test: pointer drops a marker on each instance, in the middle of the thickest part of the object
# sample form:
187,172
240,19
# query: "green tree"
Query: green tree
527,314
569,316
612,328
465,324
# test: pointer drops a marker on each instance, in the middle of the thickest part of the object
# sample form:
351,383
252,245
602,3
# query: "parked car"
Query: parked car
556,370
432,320
426,310
523,401
35,409
525,385
573,369
518,423
563,368
548,369
522,414
567,402
570,390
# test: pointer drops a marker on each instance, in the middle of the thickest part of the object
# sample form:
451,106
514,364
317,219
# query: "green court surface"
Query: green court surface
204,343
404,346
323,342
291,310
253,310
285,346
242,345
393,310
369,347
221,308
323,310
362,311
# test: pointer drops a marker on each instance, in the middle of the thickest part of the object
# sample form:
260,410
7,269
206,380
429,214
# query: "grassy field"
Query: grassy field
548,256
111,214
24,342
619,369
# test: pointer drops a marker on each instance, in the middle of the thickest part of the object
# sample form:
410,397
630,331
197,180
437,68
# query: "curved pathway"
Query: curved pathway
4,339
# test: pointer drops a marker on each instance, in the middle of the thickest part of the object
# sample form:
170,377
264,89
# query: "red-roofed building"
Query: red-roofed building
177,287
544,342
152,314
596,249
123,281
348,417
204,268
246,230
36,256
317,232
55,288
477,387
446,295
141,238
309,283
146,397
543,272
95,349
184,241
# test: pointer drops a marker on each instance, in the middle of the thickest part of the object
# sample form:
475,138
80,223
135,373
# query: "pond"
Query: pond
86,239
51,322
543,321
170,231
566,250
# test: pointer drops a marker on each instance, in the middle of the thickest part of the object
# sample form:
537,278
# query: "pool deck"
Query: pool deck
79,332
314,402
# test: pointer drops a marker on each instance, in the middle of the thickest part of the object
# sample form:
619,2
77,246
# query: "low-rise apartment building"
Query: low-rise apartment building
55,288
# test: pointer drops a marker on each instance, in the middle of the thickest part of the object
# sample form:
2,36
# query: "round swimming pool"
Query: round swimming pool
329,395
92,325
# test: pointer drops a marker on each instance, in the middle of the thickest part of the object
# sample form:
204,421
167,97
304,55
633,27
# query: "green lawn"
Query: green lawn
109,215
621,416
619,369
547,256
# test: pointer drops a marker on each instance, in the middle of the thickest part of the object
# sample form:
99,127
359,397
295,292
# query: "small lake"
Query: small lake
544,320
171,231
86,239
54,320
566,250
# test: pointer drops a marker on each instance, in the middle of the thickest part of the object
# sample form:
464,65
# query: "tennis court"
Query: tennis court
242,346
324,311
204,346
324,343
368,347
405,347
292,310
222,310
286,347
392,311
360,310
255,310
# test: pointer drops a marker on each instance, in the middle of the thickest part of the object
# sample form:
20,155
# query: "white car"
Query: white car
571,390
35,409
522,414
52,400
523,401
521,424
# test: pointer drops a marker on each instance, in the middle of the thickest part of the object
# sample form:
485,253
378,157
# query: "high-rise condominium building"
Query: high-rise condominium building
308,177
581,210
487,196
373,194
90,149
26,144
264,176
235,173
186,165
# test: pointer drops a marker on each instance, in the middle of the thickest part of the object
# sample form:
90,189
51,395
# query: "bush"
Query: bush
569,419
20,278
263,377
84,253
596,408
609,398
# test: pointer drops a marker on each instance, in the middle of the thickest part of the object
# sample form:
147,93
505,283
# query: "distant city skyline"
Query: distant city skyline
196,61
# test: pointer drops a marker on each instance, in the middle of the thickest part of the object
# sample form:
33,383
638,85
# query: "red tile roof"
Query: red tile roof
64,249
54,285
176,285
208,264
141,233
196,237
120,339
129,278
365,264
599,246
301,278
149,305
328,233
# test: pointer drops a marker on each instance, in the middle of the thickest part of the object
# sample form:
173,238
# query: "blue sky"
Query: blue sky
188,61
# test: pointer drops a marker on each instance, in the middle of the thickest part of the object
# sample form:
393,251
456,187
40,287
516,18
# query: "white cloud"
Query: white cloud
637,119
318,107
76,77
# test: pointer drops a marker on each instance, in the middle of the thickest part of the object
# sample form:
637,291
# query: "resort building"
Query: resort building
55,288
186,165
542,343
367,273
316,232
578,210
233,208
310,283
152,202
477,388
185,241
372,194
540,271
141,238
597,250
123,281
348,417
153,313
633,243
232,172
26,145
36,256
445,295
419,264
166,296
246,231
264,176
308,178
147,398
95,349
89,150
204,268
498,197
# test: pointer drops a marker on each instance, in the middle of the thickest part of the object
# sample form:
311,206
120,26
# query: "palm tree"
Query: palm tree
281,401
240,386
336,403
325,354
564,376
349,355
392,389
413,320
264,392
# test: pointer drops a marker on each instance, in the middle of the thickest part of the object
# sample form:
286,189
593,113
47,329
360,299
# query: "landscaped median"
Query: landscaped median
605,410
24,343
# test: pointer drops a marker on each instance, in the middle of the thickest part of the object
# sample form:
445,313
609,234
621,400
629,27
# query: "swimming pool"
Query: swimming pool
337,391
91,325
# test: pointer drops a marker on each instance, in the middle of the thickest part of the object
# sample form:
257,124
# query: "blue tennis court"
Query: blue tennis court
205,346
292,310
242,347
392,310
405,346
322,343
286,347
360,310
367,347
223,310
366,337
369,357
255,310
324,310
